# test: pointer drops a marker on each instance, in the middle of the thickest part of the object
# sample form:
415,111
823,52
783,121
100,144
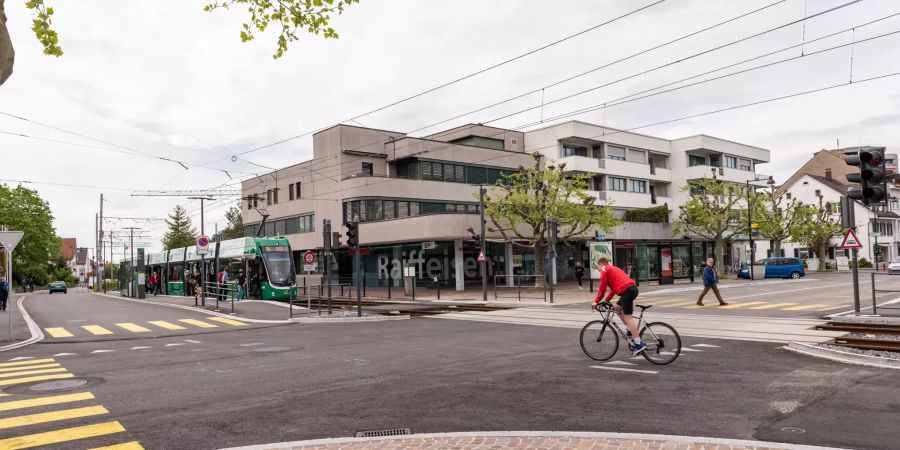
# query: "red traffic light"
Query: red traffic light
871,157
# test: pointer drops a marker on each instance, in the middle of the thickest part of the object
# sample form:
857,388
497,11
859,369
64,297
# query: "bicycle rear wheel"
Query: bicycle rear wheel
663,343
599,340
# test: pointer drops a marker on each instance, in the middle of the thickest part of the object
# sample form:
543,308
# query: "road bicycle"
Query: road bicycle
599,338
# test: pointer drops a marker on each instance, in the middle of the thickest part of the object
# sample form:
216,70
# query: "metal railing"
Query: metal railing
517,285
874,291
221,292
322,294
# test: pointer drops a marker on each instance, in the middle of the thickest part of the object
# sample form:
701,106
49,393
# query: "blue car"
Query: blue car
58,286
778,268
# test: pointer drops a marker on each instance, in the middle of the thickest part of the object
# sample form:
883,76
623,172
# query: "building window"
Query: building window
291,192
616,184
297,191
572,150
406,169
731,162
269,197
788,195
638,186
695,160
818,193
617,153
638,156
745,164
597,151
367,169
275,195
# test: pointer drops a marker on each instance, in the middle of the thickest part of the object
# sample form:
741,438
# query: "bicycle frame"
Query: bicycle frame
607,317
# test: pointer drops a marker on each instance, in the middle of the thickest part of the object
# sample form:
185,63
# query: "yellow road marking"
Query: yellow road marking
37,378
167,325
133,327
773,305
39,366
801,307
741,305
25,363
32,372
227,321
51,416
198,323
664,302
96,329
133,445
43,401
58,332
63,435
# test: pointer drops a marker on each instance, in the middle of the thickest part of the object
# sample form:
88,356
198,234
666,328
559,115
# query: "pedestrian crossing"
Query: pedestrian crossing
69,419
143,327
749,305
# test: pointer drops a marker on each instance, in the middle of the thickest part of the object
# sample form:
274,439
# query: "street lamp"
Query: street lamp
771,183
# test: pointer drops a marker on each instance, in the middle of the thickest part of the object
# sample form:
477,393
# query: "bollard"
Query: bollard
390,282
874,312
519,285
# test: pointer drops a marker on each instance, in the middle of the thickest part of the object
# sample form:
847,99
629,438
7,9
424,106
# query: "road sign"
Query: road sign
601,236
10,239
203,245
754,225
850,240
309,258
481,257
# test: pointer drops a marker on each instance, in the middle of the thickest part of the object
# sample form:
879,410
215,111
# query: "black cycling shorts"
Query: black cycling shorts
626,300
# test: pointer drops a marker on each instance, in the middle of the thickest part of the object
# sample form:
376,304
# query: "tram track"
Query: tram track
866,336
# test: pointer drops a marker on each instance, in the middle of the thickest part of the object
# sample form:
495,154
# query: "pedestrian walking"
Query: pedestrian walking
242,285
579,273
4,293
710,281
154,283
31,285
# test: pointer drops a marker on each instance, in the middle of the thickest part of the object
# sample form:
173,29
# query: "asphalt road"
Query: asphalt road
255,385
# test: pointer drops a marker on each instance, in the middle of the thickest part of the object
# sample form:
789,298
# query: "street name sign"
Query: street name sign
850,240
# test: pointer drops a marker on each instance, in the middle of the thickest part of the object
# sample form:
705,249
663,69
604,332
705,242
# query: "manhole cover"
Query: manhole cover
58,385
793,430
271,349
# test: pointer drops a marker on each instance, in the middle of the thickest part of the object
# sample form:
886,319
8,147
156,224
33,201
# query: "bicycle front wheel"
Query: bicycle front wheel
663,343
599,340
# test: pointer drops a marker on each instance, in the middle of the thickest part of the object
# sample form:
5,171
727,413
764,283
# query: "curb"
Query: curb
844,357
36,334
351,319
561,434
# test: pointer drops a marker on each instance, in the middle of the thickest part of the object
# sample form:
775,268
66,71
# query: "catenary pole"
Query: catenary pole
483,249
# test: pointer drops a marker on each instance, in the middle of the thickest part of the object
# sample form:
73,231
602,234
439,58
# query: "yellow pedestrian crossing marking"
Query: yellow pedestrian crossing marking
773,305
167,325
44,401
133,327
133,445
741,305
227,321
667,302
39,366
31,372
36,378
96,329
58,332
25,363
802,307
198,323
63,435
52,416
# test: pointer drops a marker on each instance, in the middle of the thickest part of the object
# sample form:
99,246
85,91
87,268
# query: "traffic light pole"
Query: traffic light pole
359,278
483,249
326,243
855,252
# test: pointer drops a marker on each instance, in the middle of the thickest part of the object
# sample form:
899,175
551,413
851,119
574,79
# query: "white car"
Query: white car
894,266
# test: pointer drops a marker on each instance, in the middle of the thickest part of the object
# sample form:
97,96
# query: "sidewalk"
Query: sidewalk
533,440
21,332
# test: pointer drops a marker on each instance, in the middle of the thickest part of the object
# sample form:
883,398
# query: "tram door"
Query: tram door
255,274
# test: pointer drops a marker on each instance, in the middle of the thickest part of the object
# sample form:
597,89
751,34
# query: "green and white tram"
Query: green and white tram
267,263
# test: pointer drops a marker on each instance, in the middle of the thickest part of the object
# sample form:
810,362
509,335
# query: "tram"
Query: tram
267,262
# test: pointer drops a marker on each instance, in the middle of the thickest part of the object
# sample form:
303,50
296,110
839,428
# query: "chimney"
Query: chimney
828,173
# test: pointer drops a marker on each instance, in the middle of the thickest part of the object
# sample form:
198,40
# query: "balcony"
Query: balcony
722,173
629,169
582,164
630,199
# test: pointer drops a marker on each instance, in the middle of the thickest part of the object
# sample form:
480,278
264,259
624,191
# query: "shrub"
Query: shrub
656,214
865,263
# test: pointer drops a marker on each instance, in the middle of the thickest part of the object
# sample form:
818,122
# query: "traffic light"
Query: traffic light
352,234
871,177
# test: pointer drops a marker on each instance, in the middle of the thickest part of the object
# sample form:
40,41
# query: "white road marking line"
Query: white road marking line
706,345
102,351
788,290
624,369
618,363
65,354
174,344
19,358
140,348
192,341
251,344
688,349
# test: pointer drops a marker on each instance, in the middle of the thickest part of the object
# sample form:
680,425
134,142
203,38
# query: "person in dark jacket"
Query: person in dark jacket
710,281
579,273
4,293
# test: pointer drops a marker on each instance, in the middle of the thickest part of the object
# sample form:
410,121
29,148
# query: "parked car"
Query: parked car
894,266
58,286
780,268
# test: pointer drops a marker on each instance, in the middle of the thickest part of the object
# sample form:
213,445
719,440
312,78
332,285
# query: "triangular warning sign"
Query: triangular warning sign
481,257
850,240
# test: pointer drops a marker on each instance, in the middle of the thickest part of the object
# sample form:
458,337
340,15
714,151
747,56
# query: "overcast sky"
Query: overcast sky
165,78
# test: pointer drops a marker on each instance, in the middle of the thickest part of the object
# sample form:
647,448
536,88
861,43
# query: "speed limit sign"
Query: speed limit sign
309,261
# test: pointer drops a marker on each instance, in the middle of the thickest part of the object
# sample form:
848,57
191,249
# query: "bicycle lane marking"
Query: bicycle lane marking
623,369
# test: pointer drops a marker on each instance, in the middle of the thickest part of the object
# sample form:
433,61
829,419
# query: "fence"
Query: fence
874,291
517,286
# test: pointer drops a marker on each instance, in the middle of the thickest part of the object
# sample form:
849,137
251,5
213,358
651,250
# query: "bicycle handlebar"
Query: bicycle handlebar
604,306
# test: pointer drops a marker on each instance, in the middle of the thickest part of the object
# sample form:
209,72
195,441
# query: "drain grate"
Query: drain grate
382,433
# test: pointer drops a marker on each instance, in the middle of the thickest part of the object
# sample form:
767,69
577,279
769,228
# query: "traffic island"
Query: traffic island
868,340
533,439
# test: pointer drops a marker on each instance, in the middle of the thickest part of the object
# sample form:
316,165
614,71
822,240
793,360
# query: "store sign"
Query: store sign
598,250
517,260
843,263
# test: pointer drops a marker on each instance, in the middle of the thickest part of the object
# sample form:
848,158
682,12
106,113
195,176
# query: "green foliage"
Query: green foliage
519,206
41,27
817,226
22,209
62,274
288,16
777,221
656,214
865,263
181,233
235,228
711,212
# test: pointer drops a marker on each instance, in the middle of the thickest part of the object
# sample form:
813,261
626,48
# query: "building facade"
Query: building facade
416,198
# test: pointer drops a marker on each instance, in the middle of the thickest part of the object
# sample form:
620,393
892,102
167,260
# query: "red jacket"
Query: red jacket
616,279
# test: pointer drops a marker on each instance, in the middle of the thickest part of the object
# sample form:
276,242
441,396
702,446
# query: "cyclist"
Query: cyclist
622,285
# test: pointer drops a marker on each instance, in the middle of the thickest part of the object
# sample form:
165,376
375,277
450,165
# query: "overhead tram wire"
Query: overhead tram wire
457,80
770,30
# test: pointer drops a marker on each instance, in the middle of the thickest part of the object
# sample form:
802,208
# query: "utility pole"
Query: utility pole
552,231
96,241
131,280
483,249
99,259
326,244
202,257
